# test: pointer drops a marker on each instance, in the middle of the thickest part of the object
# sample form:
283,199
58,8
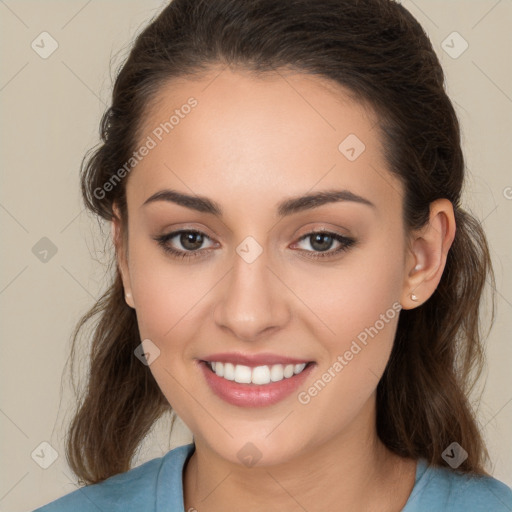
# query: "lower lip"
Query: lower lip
253,395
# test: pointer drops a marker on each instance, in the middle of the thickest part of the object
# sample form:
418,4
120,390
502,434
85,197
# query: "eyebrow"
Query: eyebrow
285,208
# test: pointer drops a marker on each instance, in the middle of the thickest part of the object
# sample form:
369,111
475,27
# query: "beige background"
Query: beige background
50,112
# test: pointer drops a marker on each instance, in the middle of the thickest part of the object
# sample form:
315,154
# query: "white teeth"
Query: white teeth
299,367
259,375
242,374
288,370
277,373
229,371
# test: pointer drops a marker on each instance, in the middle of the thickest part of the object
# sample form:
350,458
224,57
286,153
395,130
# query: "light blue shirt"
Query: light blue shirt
157,486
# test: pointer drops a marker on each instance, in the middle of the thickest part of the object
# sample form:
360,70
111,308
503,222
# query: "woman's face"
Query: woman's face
254,283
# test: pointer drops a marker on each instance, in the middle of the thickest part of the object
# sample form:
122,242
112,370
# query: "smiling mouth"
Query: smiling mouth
257,375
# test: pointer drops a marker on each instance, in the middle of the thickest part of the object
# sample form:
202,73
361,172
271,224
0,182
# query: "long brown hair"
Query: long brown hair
379,52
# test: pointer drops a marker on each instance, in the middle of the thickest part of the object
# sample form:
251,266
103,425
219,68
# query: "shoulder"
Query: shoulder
133,490
439,488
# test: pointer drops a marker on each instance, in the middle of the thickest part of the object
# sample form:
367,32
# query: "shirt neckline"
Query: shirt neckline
421,480
169,486
170,497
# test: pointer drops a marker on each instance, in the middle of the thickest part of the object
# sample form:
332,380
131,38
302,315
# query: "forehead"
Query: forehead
260,137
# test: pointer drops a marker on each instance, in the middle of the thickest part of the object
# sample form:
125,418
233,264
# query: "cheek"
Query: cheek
165,301
364,290
159,290
355,356
359,307
344,301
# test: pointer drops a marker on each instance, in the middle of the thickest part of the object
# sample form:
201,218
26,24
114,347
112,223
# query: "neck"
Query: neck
351,471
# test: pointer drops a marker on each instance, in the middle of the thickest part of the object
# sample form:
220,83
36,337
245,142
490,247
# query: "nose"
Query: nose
253,300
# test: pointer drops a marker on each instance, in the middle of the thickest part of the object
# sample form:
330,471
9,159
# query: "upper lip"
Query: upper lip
252,359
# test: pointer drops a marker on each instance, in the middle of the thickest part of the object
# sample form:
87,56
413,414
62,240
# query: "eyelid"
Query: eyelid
345,242
177,232
324,227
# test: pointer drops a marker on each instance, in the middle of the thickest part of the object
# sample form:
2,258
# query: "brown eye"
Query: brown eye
322,241
190,240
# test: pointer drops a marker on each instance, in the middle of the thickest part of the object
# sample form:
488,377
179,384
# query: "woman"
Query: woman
296,277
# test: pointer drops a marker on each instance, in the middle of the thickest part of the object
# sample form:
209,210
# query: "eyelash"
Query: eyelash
163,240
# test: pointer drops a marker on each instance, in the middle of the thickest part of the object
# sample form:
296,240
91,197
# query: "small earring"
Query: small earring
414,298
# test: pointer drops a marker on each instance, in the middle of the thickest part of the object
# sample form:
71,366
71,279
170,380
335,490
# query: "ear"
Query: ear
122,261
426,258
